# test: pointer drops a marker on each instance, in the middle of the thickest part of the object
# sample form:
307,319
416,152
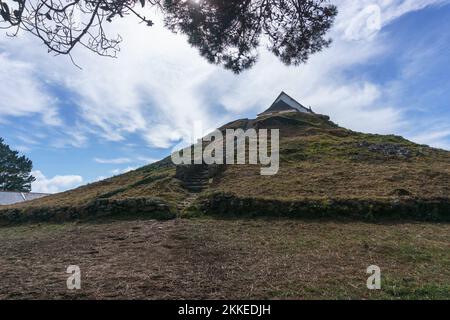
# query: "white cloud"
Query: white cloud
355,17
112,161
139,159
22,95
358,106
159,86
153,90
55,184
435,138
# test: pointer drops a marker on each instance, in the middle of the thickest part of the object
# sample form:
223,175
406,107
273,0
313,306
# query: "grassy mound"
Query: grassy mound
325,171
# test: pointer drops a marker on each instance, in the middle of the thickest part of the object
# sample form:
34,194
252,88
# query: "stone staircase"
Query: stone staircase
186,203
194,180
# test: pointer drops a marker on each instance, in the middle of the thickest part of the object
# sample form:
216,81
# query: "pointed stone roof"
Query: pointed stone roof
285,103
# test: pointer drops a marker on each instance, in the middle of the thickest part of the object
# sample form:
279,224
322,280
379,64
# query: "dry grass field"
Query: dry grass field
234,259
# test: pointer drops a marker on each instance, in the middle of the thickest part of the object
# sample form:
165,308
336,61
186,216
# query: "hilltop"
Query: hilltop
325,170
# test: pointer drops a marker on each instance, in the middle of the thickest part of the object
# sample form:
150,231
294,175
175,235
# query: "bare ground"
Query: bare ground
234,259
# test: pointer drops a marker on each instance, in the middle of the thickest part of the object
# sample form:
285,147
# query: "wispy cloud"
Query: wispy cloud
438,138
17,78
113,161
22,148
157,92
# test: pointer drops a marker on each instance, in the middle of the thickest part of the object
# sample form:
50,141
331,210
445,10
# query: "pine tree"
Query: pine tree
14,170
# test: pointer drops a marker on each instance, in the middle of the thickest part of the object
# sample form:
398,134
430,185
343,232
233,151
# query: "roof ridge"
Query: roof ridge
285,102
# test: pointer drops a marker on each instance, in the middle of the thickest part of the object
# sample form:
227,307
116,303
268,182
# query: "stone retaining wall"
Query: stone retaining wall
360,209
141,207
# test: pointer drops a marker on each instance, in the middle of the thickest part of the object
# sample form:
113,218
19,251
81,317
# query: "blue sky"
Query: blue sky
79,126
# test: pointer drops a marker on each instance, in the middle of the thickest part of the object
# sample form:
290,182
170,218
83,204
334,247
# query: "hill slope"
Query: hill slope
325,170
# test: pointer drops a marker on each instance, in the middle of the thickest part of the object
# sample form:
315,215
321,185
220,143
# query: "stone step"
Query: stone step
200,185
195,188
190,186
195,182
196,179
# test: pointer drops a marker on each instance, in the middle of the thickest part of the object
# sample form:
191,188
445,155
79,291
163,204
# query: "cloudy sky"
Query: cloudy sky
387,71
